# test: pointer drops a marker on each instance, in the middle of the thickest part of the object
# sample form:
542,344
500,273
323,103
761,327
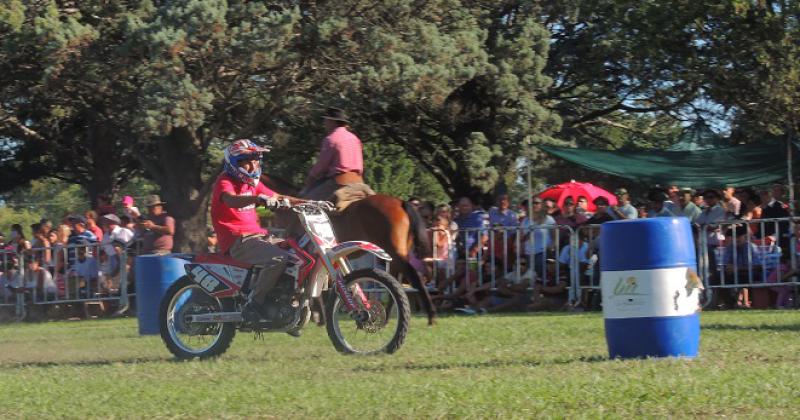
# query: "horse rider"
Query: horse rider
340,162
236,194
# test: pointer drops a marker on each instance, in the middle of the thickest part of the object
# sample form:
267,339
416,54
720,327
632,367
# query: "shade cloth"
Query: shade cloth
741,165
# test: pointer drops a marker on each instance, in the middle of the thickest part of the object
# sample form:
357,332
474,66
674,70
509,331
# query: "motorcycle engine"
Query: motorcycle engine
281,303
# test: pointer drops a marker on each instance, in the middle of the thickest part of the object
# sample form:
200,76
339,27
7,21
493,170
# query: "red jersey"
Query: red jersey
230,223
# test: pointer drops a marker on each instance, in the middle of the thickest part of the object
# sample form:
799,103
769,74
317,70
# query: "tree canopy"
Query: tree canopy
98,93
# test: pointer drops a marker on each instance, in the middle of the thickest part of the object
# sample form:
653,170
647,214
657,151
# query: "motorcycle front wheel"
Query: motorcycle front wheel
378,324
189,340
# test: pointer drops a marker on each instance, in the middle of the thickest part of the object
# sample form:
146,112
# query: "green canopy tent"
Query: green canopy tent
742,165
698,136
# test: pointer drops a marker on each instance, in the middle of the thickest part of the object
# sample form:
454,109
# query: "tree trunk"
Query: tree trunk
179,173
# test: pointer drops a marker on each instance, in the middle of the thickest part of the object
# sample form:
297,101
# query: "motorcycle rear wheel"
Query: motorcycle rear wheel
381,319
188,340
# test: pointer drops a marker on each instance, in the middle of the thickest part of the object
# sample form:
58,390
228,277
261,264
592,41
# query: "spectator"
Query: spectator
501,214
658,206
129,210
623,210
774,209
698,200
551,208
602,214
477,223
583,207
445,211
779,193
91,224
127,222
781,274
538,237
62,233
641,209
688,209
78,236
157,229
46,225
10,279
41,244
109,266
52,238
751,206
469,244
568,217
85,271
739,259
104,206
39,281
113,232
444,254
731,204
673,192
713,213
2,241
17,239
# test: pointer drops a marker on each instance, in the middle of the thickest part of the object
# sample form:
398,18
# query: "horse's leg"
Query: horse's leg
401,263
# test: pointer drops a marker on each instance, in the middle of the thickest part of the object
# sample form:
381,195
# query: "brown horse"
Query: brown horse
386,221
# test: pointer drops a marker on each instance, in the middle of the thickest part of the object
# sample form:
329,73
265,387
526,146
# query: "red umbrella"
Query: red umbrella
577,189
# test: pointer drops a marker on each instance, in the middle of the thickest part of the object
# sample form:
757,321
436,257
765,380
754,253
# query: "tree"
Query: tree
58,100
468,96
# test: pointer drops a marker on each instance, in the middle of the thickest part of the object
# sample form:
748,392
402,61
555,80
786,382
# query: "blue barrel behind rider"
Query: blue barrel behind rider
154,275
649,288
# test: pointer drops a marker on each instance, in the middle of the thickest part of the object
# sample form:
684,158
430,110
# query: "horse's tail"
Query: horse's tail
422,243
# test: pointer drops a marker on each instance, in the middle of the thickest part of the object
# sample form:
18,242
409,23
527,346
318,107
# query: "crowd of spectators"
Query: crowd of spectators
488,254
476,266
81,255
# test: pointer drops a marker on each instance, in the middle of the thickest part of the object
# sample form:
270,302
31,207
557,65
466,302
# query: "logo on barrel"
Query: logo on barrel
627,287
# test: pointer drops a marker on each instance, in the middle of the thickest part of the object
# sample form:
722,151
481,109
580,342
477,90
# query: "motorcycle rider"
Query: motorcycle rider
236,193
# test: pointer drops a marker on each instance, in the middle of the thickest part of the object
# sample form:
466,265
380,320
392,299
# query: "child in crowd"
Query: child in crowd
39,281
784,270
129,209
444,256
84,272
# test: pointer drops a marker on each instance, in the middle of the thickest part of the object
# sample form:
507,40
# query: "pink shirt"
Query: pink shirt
341,152
230,223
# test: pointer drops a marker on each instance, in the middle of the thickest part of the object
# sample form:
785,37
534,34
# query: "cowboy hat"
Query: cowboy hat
336,114
153,200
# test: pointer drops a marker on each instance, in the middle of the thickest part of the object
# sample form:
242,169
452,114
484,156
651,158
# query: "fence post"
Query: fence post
574,267
123,283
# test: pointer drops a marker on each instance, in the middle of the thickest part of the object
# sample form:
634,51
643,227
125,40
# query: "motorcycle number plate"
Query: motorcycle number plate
321,226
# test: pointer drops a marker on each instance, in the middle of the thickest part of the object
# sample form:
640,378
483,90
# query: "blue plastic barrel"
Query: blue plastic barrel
649,294
154,275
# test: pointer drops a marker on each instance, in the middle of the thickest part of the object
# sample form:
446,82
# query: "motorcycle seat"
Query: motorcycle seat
221,259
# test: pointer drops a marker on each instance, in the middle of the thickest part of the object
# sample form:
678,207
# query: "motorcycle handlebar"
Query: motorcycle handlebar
312,205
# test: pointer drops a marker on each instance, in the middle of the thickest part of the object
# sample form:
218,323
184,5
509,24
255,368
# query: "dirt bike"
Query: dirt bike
366,310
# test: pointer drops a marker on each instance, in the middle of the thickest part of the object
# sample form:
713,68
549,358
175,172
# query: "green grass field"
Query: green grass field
521,366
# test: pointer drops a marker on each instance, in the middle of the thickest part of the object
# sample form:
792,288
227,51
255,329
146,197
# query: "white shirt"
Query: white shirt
628,210
48,284
539,240
120,234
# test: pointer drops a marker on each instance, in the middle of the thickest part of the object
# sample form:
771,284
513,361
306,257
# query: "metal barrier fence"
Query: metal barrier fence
731,255
73,274
734,254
